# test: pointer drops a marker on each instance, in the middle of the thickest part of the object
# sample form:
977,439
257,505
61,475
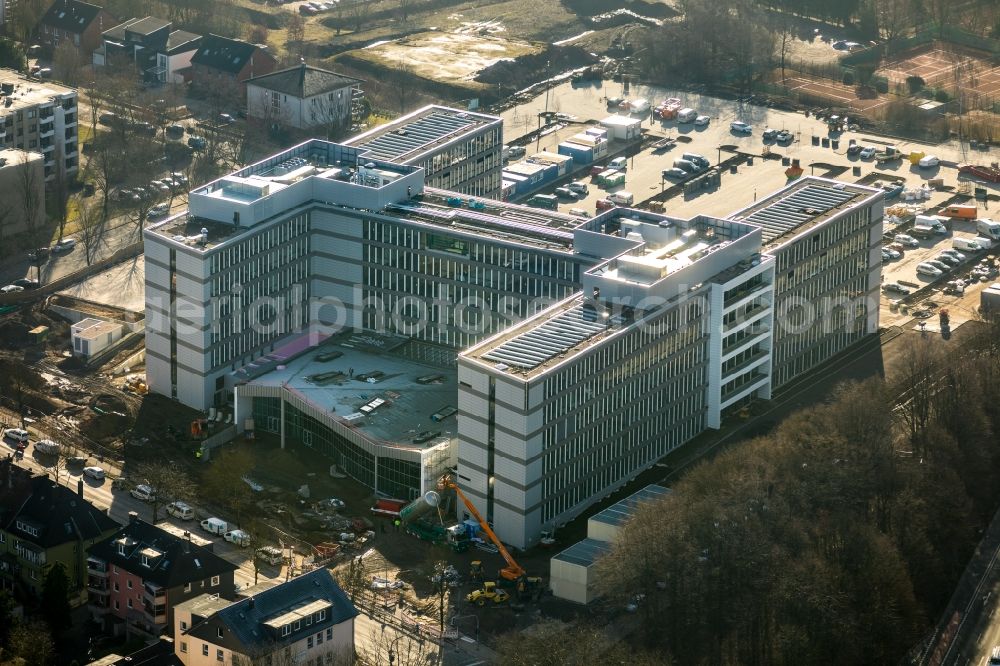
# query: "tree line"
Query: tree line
836,539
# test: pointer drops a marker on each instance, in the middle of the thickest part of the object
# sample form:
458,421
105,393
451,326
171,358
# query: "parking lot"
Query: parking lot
717,142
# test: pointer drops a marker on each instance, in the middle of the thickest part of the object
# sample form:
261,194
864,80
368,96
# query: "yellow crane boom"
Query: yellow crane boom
513,570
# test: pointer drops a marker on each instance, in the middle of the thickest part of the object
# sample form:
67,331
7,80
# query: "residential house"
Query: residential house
80,22
43,523
158,51
221,63
141,572
302,97
308,618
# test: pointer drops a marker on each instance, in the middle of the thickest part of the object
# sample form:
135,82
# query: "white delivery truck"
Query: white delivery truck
622,198
983,242
988,228
686,115
215,526
966,244
933,223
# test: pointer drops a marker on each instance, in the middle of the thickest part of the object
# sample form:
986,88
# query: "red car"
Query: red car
605,204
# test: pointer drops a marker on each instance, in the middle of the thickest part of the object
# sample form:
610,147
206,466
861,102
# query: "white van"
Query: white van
16,434
966,244
988,228
928,269
214,525
622,198
238,537
619,163
686,115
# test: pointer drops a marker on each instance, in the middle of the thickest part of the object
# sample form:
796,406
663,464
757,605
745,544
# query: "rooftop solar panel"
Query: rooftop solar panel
620,512
584,553
798,208
416,135
549,339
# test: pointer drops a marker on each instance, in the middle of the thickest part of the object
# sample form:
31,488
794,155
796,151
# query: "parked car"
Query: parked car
701,121
908,241
16,434
226,119
38,255
566,193
579,187
947,259
180,510
197,142
940,265
898,247
179,177
143,492
954,253
176,130
928,161
929,270
675,173
270,554
784,136
76,461
94,472
895,287
895,254
868,152
769,134
740,127
11,289
47,447
853,147
604,204
25,283
65,245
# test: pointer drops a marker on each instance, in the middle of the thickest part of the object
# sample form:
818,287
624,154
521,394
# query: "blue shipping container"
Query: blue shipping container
581,155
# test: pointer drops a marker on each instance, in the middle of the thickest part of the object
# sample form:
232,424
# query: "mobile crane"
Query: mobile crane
513,571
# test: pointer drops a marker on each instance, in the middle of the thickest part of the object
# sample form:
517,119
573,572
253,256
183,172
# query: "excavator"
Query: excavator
513,571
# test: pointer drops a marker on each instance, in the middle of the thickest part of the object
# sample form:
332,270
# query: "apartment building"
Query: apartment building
43,524
306,620
22,181
221,63
40,116
139,573
458,150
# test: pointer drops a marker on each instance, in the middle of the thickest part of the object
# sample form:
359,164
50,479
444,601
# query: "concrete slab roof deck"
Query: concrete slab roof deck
408,404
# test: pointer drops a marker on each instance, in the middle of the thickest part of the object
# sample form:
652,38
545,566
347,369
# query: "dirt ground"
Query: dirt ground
943,65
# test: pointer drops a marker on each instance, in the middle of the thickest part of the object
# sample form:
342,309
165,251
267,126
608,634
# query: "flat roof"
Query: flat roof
552,337
372,387
204,605
410,136
618,513
28,92
806,202
584,553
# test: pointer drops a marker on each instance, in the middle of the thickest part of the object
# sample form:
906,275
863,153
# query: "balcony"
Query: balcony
745,293
46,131
745,383
97,585
152,594
754,359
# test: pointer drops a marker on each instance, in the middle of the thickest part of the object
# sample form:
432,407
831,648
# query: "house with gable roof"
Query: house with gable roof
306,620
138,574
79,22
220,62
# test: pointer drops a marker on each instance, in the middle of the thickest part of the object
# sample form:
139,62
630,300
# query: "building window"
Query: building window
130,603
117,607
184,647
114,569
329,634
321,616
219,632
184,625
309,643
129,584
145,561
219,655
187,587
297,625
204,649
215,581
116,586
319,638
286,629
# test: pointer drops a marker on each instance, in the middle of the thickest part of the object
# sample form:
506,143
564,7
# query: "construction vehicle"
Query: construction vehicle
990,174
944,319
513,571
489,592
476,570
890,154
529,588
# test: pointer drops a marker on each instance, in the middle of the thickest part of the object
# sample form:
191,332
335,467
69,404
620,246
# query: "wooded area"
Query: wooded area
835,540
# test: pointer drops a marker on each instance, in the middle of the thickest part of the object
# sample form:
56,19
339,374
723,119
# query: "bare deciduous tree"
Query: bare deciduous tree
170,483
